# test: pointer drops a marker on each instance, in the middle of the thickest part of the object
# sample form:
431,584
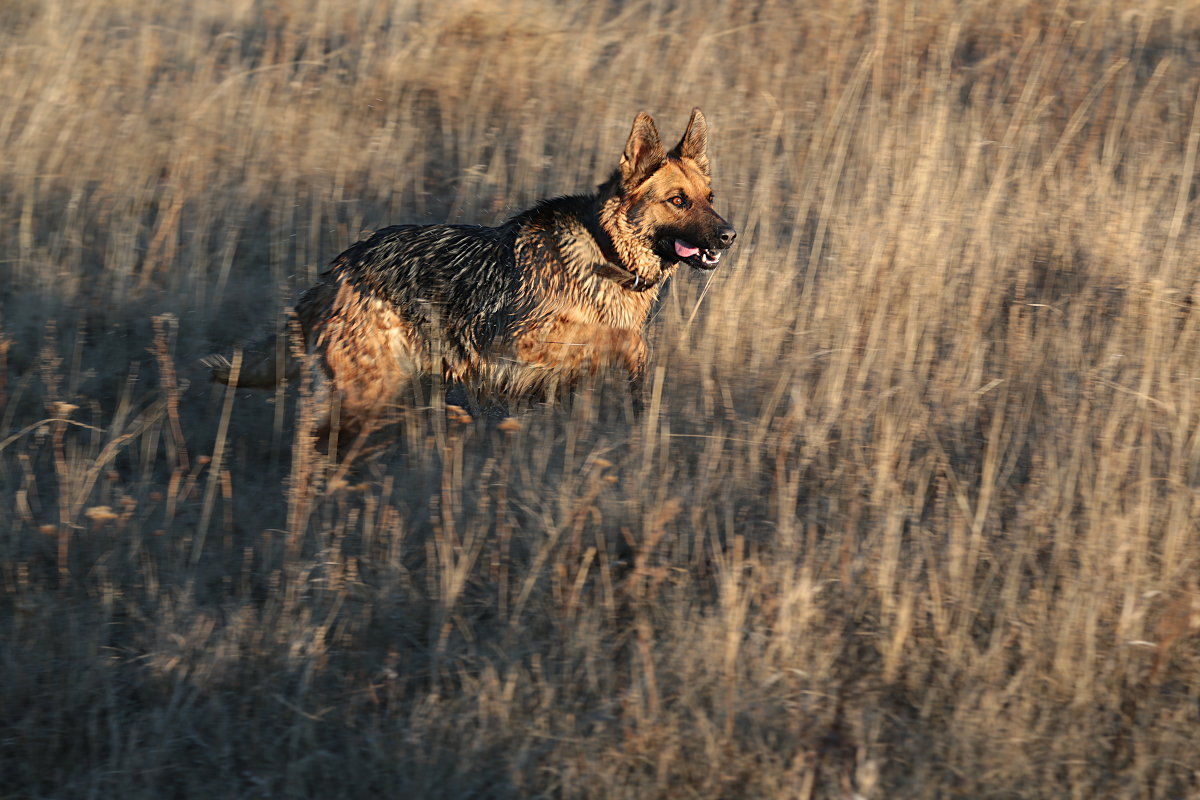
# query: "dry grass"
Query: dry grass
913,513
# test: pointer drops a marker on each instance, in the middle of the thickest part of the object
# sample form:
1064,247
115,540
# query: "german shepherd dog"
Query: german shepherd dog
521,310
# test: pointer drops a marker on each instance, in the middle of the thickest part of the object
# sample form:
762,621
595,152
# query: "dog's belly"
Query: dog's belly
549,358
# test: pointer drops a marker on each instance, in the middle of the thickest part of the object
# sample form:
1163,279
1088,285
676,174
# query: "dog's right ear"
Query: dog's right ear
644,152
694,144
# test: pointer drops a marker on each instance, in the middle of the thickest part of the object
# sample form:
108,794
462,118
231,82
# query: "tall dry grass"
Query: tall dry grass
913,511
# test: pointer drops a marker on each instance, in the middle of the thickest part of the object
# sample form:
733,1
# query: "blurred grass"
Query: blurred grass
913,513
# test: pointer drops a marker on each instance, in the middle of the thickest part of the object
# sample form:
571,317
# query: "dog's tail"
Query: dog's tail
265,365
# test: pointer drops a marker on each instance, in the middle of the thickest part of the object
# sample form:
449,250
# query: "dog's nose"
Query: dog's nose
727,235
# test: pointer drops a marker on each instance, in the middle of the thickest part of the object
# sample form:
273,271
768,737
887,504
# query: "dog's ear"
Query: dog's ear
643,152
694,144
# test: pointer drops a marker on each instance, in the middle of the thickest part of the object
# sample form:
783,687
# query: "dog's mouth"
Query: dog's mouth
698,257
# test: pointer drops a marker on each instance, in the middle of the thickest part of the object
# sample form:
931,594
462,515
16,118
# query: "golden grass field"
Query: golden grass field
913,510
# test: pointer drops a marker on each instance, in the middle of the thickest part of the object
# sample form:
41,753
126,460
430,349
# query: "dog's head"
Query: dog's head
668,194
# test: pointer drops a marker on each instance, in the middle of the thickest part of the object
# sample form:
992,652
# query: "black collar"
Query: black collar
612,268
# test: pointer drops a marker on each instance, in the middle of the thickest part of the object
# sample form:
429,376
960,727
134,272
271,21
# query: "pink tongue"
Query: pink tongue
685,251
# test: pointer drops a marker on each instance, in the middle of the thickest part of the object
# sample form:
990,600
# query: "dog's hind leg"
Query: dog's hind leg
366,353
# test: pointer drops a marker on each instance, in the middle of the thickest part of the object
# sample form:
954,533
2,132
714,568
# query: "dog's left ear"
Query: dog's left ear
643,152
694,144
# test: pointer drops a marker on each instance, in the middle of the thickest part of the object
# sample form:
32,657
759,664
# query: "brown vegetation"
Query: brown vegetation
912,511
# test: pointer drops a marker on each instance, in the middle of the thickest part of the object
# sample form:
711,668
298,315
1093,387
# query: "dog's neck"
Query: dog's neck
611,267
614,267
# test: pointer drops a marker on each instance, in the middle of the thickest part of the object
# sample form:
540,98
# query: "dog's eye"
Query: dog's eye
711,197
678,201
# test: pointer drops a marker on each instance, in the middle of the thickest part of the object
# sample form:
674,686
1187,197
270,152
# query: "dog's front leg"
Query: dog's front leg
635,362
637,392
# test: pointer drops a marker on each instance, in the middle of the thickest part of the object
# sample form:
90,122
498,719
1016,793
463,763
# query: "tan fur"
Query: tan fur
363,345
